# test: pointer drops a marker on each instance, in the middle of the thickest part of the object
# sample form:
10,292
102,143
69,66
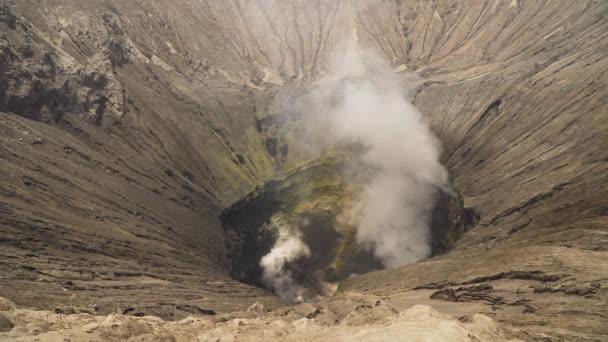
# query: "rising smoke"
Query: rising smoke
362,103
288,248
361,106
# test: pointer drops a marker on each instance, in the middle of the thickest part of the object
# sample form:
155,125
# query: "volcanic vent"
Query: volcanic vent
366,199
308,203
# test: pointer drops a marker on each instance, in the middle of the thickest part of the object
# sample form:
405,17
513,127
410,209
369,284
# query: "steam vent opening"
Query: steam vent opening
309,202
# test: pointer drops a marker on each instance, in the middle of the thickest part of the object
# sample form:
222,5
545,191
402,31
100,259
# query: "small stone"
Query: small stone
5,324
465,319
65,311
128,310
89,328
6,305
258,308
313,314
445,294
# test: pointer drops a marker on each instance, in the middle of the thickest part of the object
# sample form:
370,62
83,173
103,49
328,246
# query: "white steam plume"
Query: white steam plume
288,247
362,104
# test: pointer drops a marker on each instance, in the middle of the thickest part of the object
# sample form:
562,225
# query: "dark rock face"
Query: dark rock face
447,221
5,324
38,86
247,240
98,99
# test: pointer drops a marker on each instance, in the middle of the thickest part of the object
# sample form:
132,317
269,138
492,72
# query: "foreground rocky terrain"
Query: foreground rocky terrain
127,127
352,318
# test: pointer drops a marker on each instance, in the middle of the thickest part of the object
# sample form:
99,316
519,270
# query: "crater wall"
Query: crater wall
127,127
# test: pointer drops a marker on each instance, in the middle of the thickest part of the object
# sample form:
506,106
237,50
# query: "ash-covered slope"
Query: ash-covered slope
126,127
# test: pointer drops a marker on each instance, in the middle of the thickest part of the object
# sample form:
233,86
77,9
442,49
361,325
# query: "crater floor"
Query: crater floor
309,201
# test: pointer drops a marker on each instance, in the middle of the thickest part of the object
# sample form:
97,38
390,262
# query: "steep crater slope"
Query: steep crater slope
127,127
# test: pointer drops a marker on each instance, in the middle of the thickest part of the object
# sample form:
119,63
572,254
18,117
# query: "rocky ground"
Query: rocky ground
349,318
127,127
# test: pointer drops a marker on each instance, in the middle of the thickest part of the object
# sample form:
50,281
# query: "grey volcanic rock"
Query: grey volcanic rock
5,324
126,127
43,86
